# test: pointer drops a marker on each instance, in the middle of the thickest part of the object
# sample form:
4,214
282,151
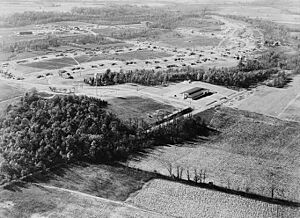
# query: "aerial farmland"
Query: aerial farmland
149,109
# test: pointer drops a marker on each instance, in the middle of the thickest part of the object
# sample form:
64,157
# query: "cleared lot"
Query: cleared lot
7,91
282,103
134,107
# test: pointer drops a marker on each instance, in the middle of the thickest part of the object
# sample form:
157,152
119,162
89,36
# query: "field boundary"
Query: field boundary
156,175
211,186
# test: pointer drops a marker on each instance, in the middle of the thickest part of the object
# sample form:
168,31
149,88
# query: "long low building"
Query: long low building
195,93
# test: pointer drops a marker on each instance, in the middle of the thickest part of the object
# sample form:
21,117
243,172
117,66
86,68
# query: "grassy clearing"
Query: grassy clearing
252,153
111,182
277,100
175,199
21,201
141,108
52,64
205,25
8,91
180,41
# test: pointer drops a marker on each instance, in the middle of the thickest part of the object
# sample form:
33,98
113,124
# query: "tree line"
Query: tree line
272,32
54,41
39,133
247,73
111,15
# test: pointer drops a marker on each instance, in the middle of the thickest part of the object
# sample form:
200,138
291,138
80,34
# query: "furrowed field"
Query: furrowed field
175,199
251,152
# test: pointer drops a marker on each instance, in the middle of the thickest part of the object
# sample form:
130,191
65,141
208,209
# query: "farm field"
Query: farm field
251,153
111,182
179,200
250,149
134,107
43,201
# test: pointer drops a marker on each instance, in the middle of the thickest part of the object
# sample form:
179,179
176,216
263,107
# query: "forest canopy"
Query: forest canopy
39,133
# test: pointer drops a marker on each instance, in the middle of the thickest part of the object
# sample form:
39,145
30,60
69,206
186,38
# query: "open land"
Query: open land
253,146
251,152
179,200
281,103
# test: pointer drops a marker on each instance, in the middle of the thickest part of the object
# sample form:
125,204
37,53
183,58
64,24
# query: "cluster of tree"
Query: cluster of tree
35,17
272,32
38,133
279,80
54,41
248,72
231,77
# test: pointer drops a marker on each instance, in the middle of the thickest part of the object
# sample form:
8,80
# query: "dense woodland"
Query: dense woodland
38,133
247,73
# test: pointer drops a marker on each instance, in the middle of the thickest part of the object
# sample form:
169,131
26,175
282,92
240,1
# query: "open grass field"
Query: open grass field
181,41
35,201
282,103
252,153
202,24
179,200
111,182
134,107
8,91
52,64
292,111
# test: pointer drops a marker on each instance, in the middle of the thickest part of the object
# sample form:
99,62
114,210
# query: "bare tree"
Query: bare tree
204,176
170,168
196,176
188,174
204,12
228,183
179,172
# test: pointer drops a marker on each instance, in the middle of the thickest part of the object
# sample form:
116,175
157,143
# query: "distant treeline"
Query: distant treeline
110,15
272,32
130,33
247,73
54,41
125,14
39,133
